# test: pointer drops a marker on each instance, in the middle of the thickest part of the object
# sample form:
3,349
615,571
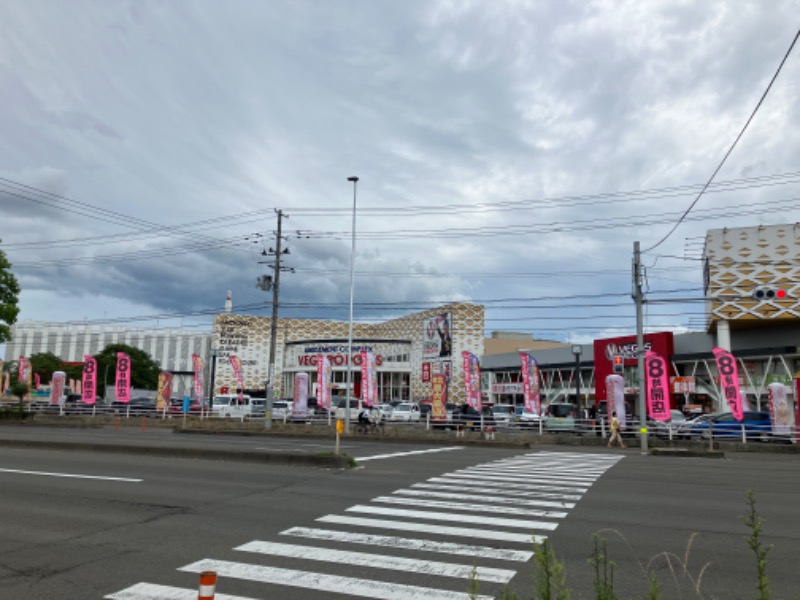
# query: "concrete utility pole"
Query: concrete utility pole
638,298
273,334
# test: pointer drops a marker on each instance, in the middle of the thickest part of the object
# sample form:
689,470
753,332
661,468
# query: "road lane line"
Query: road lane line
337,584
378,561
533,484
152,591
409,453
529,512
389,541
430,528
450,517
71,475
497,500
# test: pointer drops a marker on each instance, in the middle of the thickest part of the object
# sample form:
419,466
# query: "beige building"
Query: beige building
503,342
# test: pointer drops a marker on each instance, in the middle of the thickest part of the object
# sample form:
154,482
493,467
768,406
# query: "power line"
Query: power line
730,150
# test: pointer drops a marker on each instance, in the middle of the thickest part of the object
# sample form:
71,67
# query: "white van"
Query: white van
229,406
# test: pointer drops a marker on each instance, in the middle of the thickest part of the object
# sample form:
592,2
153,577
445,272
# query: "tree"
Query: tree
144,370
45,364
20,390
9,298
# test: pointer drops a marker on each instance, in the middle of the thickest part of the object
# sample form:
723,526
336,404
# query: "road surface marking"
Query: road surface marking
409,453
151,591
378,561
529,512
498,500
486,534
515,489
389,541
71,475
350,586
545,485
535,470
450,517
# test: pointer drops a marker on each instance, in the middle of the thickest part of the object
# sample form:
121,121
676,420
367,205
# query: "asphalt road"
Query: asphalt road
409,522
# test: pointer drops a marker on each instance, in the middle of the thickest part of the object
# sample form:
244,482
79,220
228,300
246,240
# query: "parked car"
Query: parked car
503,414
342,410
664,428
137,407
528,418
757,426
471,419
386,410
560,416
281,409
685,428
406,412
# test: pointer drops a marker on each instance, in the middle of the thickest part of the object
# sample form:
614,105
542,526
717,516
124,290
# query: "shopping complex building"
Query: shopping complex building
751,283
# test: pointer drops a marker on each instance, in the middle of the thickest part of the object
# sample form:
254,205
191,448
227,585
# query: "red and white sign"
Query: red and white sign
236,364
300,399
57,385
779,410
615,397
337,360
426,371
123,379
472,379
323,382
197,362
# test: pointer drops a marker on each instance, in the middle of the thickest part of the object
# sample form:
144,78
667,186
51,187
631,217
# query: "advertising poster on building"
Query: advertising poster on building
655,369
300,400
89,388
530,382
472,379
236,365
729,381
122,384
437,340
426,372
57,385
438,398
615,398
779,409
164,393
324,383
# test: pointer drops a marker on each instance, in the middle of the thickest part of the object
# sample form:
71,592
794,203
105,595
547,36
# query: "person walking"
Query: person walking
615,436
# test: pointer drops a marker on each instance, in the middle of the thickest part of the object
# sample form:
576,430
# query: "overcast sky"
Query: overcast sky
509,153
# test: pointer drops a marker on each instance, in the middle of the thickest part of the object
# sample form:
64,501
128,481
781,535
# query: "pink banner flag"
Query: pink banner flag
323,381
123,381
236,364
37,381
369,381
23,369
472,379
655,368
198,378
57,385
164,391
530,383
89,393
729,381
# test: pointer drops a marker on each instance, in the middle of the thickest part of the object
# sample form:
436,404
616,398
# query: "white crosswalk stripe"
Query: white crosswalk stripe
532,492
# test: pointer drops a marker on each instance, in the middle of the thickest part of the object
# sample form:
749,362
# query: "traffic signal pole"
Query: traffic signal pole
638,299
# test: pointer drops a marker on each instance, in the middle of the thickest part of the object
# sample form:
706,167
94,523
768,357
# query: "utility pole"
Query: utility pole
275,284
638,299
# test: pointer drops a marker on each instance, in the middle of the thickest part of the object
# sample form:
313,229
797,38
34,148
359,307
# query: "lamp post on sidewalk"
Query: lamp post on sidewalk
577,350
354,181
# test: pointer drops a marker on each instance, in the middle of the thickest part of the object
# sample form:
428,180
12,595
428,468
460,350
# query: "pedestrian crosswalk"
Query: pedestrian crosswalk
475,523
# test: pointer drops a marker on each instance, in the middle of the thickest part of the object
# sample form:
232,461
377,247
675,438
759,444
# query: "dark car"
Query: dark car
137,407
757,425
469,418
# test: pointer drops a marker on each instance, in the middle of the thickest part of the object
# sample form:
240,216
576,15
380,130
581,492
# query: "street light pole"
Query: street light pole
354,180
576,350
273,327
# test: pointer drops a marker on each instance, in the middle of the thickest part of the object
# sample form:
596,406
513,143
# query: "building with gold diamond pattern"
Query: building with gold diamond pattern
407,351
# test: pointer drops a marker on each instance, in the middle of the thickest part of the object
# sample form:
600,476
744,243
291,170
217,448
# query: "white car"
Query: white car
281,409
529,419
386,410
405,411
503,414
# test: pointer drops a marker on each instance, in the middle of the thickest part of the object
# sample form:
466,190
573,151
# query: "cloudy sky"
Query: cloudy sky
509,153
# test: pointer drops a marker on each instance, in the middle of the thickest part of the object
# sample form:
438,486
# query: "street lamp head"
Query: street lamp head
353,179
577,349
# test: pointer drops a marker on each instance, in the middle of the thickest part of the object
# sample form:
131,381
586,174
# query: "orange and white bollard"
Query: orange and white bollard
460,431
208,585
489,433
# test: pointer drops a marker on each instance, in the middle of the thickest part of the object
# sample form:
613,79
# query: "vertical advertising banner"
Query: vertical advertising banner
779,409
89,388
615,398
472,379
236,364
123,380
23,369
57,385
530,383
729,381
37,381
439,398
437,337
300,400
369,379
197,362
655,369
796,382
164,393
324,383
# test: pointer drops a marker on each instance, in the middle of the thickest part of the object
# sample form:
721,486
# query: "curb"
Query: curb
686,452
